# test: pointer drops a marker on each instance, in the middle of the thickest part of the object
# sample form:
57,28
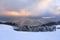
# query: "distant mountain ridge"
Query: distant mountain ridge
30,23
32,27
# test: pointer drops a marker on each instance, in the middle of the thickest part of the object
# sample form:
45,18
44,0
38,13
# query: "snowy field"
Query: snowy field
7,33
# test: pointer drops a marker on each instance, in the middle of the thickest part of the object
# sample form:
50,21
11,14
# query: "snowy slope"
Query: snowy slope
7,33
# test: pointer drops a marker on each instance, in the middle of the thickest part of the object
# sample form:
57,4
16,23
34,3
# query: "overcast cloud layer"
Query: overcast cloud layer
29,7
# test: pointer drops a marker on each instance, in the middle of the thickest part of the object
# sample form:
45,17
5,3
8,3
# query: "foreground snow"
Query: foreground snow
7,33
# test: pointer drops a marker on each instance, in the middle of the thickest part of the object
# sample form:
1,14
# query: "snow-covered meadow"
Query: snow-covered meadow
7,33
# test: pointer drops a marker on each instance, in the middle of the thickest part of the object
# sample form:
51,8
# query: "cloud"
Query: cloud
22,12
24,7
48,17
44,3
56,10
41,7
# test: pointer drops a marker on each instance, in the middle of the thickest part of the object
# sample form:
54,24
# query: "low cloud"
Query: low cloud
48,17
22,12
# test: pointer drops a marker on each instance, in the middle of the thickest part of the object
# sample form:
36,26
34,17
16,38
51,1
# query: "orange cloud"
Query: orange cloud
14,13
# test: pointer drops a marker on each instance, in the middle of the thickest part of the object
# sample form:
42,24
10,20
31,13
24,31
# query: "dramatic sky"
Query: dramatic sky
29,7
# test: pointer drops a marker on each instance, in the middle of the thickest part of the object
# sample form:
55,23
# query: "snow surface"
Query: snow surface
7,33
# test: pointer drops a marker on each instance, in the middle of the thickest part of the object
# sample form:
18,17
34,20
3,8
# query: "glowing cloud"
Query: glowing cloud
14,13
